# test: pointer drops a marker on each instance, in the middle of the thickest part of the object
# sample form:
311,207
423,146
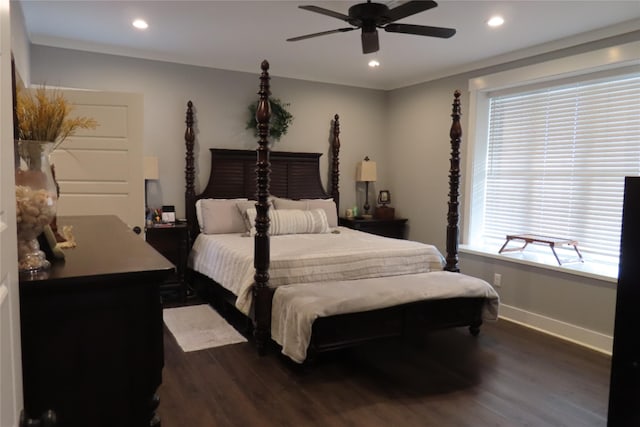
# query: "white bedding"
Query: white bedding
305,258
296,307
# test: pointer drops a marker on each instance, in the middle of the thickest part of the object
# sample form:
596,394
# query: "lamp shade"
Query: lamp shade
366,171
151,168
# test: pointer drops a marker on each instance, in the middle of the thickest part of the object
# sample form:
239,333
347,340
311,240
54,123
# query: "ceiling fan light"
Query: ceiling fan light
140,24
370,42
495,21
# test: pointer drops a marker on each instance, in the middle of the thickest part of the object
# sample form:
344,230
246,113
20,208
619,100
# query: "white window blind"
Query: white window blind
557,158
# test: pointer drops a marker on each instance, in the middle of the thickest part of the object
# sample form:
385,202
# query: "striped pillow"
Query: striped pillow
328,205
292,221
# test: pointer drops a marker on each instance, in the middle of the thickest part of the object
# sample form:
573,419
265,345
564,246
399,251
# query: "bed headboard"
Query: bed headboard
233,173
293,175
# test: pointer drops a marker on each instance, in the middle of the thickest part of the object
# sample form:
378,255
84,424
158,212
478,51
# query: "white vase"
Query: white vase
36,201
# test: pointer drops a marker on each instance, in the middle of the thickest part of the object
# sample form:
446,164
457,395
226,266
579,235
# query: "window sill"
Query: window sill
537,258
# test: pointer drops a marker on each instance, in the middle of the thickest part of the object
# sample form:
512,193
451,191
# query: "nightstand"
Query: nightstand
383,227
172,241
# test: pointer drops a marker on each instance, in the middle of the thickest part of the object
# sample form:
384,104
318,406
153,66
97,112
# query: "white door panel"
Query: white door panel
94,204
93,165
100,171
10,359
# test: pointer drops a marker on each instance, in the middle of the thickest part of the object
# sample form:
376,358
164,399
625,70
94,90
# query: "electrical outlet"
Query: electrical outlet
497,280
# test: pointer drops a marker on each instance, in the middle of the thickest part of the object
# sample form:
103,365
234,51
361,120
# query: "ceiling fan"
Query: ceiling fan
371,16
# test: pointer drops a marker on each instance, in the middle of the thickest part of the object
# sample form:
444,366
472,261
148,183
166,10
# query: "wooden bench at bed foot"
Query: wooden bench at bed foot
316,317
345,330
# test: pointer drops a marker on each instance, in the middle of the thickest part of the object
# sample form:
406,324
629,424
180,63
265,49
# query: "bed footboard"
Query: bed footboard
347,330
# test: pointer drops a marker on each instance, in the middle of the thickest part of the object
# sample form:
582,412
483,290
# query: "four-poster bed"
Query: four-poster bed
269,178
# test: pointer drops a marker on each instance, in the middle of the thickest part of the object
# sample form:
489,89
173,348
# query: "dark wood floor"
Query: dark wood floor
508,376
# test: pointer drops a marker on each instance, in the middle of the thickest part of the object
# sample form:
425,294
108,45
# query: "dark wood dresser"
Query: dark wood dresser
92,348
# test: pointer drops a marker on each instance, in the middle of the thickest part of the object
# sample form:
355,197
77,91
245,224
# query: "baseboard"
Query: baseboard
566,331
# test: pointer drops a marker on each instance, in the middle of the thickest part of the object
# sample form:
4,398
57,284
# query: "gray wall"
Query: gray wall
20,43
221,99
405,130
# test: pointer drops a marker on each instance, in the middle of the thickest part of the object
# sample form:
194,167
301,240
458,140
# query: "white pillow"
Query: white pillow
249,204
219,216
199,211
292,221
280,203
242,207
328,205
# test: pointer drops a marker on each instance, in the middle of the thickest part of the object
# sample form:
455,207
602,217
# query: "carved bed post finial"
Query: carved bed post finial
190,193
335,165
454,188
261,292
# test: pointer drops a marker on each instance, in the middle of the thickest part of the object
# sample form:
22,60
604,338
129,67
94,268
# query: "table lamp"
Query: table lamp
366,172
150,169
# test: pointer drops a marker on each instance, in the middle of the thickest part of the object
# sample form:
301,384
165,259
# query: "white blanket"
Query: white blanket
295,308
306,258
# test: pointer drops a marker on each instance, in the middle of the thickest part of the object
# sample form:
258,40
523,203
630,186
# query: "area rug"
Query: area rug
197,327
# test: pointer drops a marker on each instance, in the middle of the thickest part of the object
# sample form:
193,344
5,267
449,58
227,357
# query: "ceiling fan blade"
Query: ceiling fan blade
327,12
420,30
322,33
410,8
370,42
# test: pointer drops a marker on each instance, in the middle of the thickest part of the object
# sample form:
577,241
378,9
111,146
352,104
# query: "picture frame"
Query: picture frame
384,197
168,214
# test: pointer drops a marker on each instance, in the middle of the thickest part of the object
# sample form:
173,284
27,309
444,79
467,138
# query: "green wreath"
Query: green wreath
280,119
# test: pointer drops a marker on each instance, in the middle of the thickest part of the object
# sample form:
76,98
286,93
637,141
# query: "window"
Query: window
550,158
557,159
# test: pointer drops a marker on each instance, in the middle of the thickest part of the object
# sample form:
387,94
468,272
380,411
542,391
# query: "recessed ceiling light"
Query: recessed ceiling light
495,21
141,24
374,63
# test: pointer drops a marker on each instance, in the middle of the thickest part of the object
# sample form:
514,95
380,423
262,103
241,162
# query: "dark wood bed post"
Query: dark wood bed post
454,188
261,292
189,171
335,162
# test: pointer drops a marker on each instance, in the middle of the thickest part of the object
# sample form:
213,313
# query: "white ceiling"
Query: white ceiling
237,35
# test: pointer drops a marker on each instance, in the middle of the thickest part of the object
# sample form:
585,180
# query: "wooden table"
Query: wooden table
552,242
92,346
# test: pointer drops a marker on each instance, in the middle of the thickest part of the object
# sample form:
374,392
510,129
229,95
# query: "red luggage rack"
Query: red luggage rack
552,242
